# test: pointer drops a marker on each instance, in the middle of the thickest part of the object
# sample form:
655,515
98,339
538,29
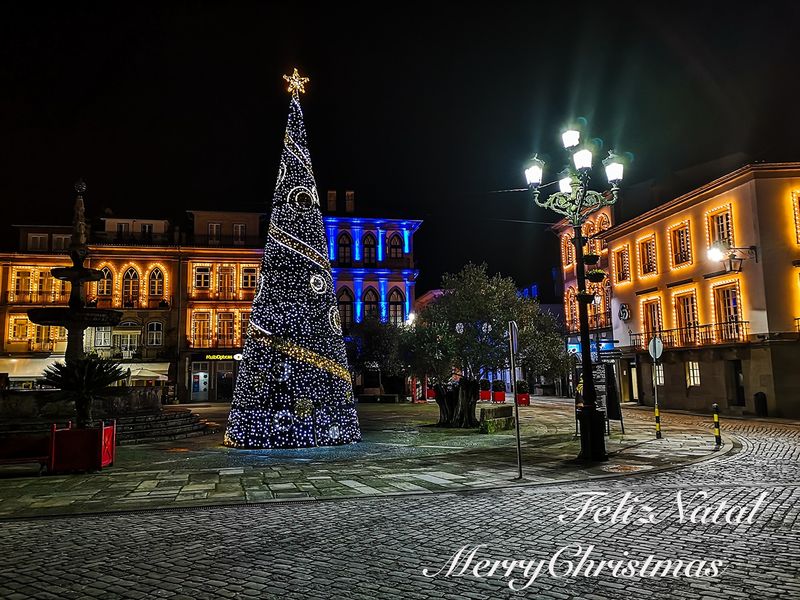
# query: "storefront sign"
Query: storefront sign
237,356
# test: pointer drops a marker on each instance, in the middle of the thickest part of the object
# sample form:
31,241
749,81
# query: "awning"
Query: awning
27,368
154,370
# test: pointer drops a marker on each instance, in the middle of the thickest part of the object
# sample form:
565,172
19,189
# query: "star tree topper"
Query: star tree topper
296,83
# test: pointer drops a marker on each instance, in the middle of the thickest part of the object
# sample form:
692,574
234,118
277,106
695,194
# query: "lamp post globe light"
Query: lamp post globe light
575,201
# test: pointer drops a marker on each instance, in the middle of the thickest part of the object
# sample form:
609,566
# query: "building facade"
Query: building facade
186,296
729,328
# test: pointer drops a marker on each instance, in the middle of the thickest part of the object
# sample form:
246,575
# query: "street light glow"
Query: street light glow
571,138
565,185
533,174
717,252
583,159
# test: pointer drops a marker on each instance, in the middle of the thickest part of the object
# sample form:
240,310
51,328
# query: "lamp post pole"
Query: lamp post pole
576,202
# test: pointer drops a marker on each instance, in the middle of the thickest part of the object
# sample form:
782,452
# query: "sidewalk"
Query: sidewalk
401,454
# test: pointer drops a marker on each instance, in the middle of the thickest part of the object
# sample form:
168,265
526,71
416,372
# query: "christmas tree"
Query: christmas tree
294,389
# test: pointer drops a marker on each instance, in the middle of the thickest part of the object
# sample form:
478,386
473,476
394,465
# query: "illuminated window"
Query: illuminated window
155,333
651,317
156,283
19,328
796,209
571,308
225,277
567,251
146,229
647,256
123,228
659,374
728,312
130,288
346,308
22,282
622,264
201,330
249,277
396,302
345,245
680,245
369,250
239,234
225,329
202,278
371,305
102,337
692,373
106,284
395,247
45,285
720,226
686,317
245,324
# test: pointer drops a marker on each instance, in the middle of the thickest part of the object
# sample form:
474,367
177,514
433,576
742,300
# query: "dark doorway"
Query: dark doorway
736,383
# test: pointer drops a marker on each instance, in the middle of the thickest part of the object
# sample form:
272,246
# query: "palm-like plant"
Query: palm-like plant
82,381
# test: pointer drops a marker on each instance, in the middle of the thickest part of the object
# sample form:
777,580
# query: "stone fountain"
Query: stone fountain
77,316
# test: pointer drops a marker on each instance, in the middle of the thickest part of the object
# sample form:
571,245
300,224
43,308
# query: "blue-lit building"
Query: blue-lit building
373,264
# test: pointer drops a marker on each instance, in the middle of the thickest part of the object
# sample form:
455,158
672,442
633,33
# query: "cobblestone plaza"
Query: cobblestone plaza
388,526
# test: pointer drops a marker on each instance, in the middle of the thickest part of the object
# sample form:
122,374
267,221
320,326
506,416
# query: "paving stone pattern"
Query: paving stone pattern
396,460
378,546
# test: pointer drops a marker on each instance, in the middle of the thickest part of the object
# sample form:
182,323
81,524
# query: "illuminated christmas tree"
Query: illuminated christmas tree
294,388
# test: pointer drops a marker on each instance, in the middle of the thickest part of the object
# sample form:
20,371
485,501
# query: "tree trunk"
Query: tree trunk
446,405
83,411
468,392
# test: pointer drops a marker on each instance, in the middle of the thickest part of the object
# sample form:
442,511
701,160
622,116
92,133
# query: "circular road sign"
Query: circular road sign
655,348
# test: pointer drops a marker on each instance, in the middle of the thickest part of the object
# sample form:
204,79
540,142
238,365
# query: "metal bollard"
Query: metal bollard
658,423
717,436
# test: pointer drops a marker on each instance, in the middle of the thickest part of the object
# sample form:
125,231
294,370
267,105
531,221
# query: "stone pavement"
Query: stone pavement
400,454
379,547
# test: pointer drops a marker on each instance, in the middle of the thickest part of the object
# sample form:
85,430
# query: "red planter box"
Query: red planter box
485,395
499,396
82,449
430,393
523,399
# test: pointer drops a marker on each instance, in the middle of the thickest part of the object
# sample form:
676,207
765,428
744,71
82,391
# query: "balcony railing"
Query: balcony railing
132,238
223,294
596,321
37,297
213,342
227,241
729,332
157,303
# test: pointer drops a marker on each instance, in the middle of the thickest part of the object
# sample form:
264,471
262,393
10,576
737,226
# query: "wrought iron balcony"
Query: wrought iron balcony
213,342
729,332
150,303
37,297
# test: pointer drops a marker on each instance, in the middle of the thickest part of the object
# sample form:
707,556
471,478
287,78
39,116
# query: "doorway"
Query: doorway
735,383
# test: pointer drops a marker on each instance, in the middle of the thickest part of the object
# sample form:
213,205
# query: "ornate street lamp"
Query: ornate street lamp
576,202
730,256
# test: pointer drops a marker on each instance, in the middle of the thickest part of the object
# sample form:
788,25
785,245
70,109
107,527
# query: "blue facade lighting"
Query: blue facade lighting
406,241
356,243
358,288
332,242
383,285
380,244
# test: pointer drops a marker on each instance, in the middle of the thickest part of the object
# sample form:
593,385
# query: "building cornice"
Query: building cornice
718,186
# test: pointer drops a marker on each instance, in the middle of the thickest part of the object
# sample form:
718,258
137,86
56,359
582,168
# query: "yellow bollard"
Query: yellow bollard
658,423
717,436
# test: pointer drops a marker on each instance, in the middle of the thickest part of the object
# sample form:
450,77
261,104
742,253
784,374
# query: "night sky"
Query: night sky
425,110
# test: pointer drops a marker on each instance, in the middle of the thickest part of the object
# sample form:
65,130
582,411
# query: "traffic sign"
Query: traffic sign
655,348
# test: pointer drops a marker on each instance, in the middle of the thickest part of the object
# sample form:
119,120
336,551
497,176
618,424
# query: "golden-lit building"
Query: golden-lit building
186,296
729,327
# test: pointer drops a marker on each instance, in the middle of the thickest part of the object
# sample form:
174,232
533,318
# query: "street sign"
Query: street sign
655,348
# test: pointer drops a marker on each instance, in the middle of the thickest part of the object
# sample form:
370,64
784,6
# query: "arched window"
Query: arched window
371,305
567,251
369,250
395,246
588,232
155,333
106,284
602,224
130,288
346,308
396,302
345,249
156,287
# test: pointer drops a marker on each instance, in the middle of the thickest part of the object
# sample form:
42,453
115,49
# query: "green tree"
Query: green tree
541,344
374,345
84,380
463,333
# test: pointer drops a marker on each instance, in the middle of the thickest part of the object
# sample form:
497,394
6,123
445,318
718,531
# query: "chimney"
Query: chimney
331,200
349,201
